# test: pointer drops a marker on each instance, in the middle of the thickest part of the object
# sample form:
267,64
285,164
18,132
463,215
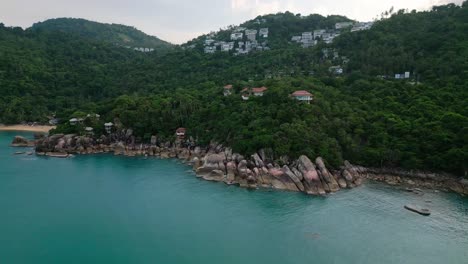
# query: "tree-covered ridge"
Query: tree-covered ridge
112,33
432,45
419,123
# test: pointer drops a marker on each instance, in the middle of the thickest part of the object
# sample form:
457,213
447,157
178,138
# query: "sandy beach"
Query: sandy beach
40,129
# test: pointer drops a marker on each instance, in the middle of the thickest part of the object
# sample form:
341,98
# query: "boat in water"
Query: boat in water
417,209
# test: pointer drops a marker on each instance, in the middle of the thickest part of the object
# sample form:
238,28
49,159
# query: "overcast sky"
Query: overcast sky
178,21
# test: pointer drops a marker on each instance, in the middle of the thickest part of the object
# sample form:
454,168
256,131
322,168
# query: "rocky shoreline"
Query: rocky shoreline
216,162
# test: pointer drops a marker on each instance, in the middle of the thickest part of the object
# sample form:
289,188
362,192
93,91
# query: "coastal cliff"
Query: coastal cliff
216,162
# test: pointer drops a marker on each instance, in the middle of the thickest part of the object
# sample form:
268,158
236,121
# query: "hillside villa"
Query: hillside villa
259,91
227,90
245,94
108,127
302,95
180,132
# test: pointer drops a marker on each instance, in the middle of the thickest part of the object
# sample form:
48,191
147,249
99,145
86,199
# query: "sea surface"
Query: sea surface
106,209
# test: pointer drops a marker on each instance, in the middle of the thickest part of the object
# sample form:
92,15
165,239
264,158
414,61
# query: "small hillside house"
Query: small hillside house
108,127
259,91
180,132
54,121
237,36
336,70
263,32
89,130
73,121
245,94
302,95
251,34
228,90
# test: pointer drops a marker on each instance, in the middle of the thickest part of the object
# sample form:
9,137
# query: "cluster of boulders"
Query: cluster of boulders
218,163
20,141
429,180
120,143
259,171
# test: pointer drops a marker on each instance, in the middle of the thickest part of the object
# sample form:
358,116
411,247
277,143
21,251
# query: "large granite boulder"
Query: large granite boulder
20,141
60,147
196,163
297,173
119,148
245,177
212,162
183,154
278,180
288,172
327,176
312,181
228,154
231,172
154,140
215,175
352,174
257,160
307,168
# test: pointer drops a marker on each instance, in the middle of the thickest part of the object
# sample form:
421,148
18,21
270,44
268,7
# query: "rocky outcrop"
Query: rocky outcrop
213,162
293,177
327,178
218,163
231,172
412,179
20,141
310,175
352,174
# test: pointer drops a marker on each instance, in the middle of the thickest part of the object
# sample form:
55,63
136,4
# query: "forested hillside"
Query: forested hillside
111,33
364,115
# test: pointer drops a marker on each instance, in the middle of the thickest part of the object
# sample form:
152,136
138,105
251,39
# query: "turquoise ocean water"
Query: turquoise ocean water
106,209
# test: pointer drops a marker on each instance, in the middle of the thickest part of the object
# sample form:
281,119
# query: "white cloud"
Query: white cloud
258,7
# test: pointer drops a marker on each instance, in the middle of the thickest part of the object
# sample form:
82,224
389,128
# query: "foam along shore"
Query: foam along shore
26,128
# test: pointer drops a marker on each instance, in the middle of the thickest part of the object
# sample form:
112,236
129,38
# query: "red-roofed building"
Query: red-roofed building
259,91
302,96
228,90
180,132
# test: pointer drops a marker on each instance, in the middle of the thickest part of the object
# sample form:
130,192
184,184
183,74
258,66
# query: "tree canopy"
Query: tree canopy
364,115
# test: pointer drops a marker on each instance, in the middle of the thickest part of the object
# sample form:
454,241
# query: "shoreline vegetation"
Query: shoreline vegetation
27,128
219,163
357,106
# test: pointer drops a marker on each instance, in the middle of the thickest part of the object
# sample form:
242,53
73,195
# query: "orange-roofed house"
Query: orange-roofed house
259,91
302,96
228,90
